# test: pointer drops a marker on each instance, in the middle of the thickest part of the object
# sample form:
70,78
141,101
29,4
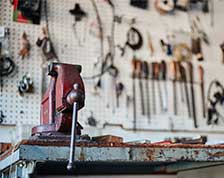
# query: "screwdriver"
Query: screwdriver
139,74
173,77
190,68
157,71
145,70
162,76
134,68
184,79
201,78
153,86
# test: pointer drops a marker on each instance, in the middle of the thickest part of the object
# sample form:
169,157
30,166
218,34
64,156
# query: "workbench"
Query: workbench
50,158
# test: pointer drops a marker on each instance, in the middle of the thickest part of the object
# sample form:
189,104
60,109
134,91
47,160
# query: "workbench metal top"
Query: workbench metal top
157,158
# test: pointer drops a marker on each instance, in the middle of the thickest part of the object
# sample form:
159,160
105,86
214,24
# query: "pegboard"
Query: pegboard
86,52
17,109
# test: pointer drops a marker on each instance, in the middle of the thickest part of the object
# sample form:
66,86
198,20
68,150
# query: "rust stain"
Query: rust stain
82,155
150,153
48,142
196,152
217,154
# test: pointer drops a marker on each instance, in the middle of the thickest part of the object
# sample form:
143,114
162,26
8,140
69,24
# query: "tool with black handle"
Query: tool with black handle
191,77
145,70
153,64
184,79
201,78
222,48
180,81
134,75
139,75
119,90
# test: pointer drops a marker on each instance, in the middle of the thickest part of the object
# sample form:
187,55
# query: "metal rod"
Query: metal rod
148,100
134,105
70,165
142,96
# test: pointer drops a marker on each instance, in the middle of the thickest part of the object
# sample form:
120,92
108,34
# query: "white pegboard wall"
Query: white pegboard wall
26,110
17,109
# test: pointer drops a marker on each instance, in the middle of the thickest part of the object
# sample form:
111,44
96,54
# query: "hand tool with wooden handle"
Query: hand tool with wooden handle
157,77
201,78
134,68
163,77
180,81
184,79
139,75
173,70
145,69
191,77
152,68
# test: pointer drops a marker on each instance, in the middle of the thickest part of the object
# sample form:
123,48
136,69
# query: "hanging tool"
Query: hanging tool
152,69
134,75
193,108
78,14
163,77
157,78
180,81
139,75
25,85
150,44
45,42
134,40
7,66
25,44
182,52
2,117
164,7
119,91
166,47
91,120
184,79
46,46
212,13
145,71
182,5
143,4
101,31
60,105
201,78
196,48
222,48
29,10
173,70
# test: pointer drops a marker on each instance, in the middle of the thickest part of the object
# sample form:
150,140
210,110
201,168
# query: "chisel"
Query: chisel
163,75
152,68
134,68
139,75
173,78
184,79
191,77
201,78
145,69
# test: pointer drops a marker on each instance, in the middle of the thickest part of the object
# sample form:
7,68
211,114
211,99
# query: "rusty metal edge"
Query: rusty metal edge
48,142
